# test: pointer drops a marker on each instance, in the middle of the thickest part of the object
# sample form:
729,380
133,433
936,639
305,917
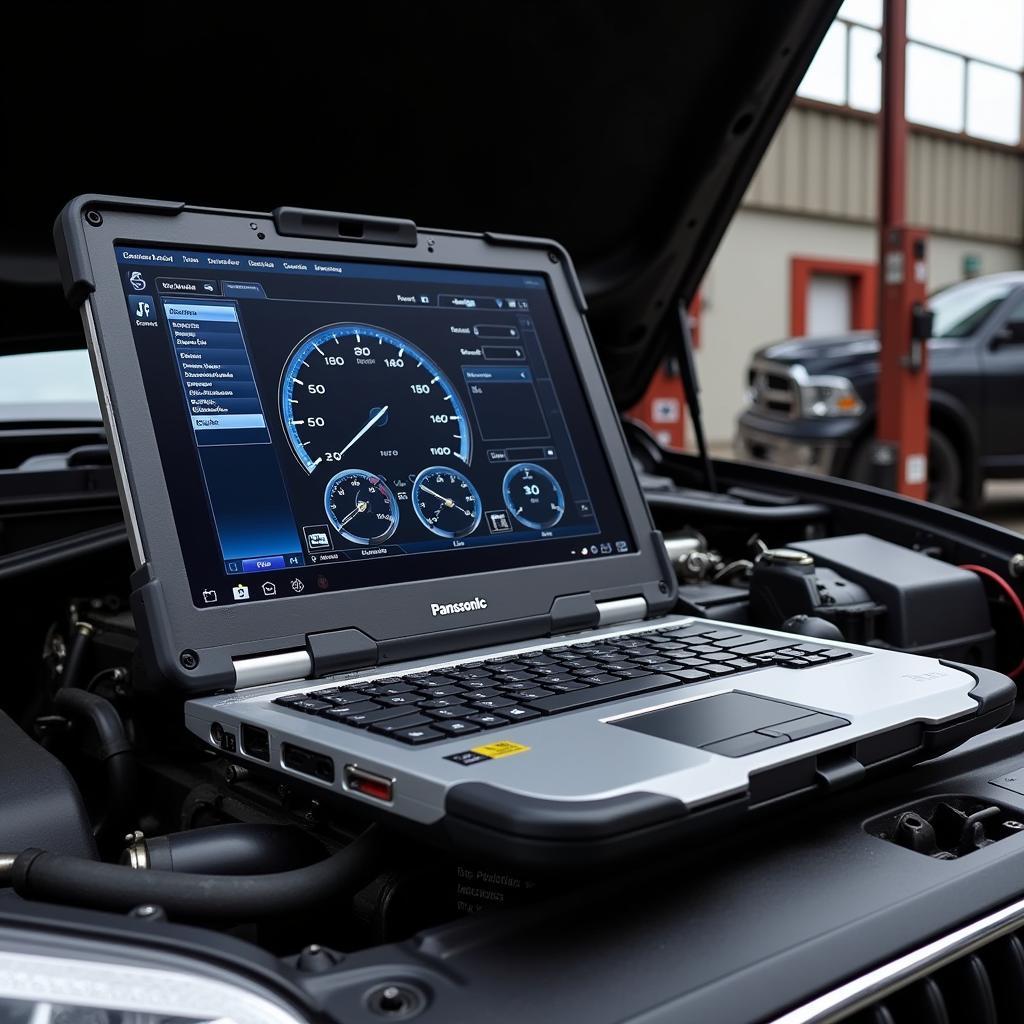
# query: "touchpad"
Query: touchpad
700,723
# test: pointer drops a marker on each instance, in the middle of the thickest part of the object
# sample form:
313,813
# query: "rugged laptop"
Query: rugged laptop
389,542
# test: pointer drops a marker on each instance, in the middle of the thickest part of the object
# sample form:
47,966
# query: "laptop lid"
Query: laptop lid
345,441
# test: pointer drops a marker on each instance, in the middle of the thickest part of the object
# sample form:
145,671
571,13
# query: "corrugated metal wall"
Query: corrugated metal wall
825,164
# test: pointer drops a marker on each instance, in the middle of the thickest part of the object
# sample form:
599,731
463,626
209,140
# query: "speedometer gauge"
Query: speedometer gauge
445,502
354,393
361,507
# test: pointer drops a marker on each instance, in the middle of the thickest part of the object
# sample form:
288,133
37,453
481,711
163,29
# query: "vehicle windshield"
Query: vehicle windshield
47,386
962,308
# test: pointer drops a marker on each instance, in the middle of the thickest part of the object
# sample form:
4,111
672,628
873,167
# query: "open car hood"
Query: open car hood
628,132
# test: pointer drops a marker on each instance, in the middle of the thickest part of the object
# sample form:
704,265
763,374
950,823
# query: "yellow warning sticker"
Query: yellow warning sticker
500,748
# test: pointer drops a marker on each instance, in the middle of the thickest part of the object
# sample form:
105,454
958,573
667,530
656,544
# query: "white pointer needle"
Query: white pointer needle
373,419
447,502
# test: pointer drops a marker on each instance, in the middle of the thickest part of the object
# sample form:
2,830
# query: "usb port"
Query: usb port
319,766
375,786
255,742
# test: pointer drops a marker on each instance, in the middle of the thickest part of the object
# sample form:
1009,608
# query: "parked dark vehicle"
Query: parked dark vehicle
812,401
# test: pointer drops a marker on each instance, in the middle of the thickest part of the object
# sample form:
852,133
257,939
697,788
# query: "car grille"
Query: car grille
773,390
975,974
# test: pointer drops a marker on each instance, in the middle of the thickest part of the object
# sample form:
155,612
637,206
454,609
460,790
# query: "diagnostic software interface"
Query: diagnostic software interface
316,419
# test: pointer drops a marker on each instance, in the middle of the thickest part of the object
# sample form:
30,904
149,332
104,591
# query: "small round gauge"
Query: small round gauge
361,507
533,496
446,503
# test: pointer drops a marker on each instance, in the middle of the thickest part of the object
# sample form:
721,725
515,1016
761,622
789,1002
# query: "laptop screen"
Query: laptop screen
333,425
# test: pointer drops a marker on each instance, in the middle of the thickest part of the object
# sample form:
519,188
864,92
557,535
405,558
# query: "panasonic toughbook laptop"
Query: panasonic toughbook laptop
389,542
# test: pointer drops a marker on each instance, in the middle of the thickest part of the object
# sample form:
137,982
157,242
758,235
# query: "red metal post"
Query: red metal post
901,453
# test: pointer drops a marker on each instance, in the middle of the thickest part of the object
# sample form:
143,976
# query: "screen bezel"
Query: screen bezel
389,612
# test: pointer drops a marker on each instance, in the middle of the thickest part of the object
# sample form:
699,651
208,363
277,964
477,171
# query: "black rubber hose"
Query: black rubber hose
80,641
56,878
115,749
236,848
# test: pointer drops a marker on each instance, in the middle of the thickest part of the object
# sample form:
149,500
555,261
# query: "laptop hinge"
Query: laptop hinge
271,668
624,609
337,650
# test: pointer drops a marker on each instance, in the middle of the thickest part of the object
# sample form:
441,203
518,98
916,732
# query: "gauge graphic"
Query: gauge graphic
361,506
445,501
533,496
360,389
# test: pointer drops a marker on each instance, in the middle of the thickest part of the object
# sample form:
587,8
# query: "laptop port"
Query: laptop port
375,786
308,762
256,742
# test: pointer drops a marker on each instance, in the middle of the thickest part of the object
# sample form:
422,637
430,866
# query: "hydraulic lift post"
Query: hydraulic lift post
901,446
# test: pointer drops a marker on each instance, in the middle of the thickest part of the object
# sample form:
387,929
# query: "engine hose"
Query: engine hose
115,750
74,881
79,644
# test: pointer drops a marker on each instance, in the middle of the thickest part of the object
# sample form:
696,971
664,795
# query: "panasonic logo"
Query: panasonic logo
478,604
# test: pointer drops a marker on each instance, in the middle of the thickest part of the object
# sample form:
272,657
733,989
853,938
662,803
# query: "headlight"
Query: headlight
829,396
42,989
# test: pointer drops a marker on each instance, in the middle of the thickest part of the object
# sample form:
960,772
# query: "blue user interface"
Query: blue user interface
328,425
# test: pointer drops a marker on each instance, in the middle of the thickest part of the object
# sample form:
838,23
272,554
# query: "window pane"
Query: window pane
826,77
990,29
865,69
961,309
867,12
935,88
993,103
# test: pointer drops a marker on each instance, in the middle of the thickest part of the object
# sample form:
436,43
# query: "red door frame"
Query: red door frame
864,311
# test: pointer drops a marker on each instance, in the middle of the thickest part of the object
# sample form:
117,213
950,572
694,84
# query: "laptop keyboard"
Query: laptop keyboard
475,696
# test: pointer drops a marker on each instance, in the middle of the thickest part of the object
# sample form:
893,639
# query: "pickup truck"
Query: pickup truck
812,401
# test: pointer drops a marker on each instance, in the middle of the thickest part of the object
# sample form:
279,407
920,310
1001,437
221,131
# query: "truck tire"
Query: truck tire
945,471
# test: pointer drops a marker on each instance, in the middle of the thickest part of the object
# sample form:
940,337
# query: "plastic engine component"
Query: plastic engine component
39,802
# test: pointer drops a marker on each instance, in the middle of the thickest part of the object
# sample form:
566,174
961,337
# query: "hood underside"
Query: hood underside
628,132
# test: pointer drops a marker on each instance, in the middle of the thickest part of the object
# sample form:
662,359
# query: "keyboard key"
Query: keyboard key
393,689
456,711
520,714
534,693
602,694
487,720
741,664
456,728
399,699
482,693
440,702
492,703
300,702
440,691
362,719
720,656
568,687
691,675
601,680
517,677
418,735
481,683
351,708
719,634
394,725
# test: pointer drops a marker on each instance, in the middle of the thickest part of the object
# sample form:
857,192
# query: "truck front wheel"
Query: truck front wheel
945,472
